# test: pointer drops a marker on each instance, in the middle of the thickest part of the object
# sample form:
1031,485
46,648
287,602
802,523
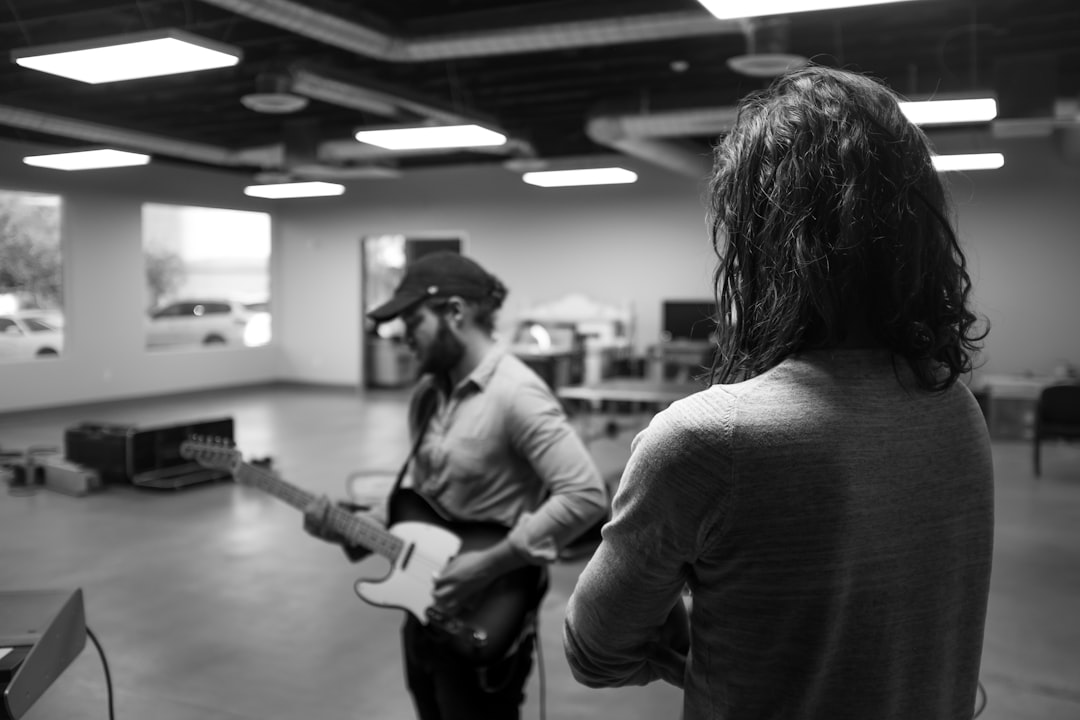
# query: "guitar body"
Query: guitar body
481,633
419,543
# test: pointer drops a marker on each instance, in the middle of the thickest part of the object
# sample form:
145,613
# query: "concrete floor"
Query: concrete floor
211,602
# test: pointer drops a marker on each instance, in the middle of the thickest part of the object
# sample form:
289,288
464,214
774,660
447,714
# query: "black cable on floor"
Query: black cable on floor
108,677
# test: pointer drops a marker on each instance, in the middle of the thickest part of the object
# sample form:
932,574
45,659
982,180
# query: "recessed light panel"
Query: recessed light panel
277,191
589,176
943,112
87,160
974,161
126,57
733,9
432,138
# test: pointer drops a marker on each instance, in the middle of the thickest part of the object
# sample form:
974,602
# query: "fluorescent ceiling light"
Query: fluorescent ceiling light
590,176
732,9
87,160
975,161
276,191
940,112
428,138
125,57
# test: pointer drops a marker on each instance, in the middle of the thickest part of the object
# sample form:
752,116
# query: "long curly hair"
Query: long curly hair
830,223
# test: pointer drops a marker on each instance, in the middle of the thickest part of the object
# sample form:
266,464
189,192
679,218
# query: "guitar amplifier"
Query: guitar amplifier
144,456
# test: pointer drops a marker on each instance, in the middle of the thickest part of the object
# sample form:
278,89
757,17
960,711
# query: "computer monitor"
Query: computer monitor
688,319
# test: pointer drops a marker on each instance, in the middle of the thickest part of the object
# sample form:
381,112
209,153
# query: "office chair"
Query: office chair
1057,415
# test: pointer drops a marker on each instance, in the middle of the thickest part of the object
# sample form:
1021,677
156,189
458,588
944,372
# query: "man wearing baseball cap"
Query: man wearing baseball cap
493,445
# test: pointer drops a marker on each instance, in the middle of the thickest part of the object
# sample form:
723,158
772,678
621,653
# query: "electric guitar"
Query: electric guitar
418,543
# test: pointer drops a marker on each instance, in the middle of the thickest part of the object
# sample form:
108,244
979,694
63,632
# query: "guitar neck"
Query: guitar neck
357,530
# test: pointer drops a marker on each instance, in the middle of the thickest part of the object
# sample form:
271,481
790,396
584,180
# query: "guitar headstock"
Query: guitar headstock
212,452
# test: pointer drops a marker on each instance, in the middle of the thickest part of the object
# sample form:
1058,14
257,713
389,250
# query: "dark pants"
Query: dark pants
445,688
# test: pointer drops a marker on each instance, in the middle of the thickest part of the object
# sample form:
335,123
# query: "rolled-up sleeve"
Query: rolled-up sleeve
576,495
665,509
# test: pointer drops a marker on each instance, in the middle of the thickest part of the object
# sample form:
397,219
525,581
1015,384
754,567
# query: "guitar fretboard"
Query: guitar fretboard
358,530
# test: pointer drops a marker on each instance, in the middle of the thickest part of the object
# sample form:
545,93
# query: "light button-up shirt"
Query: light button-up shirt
500,449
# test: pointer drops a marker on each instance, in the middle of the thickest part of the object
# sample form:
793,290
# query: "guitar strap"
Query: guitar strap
426,405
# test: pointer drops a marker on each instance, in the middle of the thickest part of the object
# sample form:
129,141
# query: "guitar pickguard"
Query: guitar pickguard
486,630
411,581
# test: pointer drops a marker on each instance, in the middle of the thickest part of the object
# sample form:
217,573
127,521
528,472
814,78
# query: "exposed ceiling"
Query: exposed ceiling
564,79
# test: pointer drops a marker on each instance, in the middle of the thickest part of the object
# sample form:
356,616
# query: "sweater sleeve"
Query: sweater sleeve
576,496
672,499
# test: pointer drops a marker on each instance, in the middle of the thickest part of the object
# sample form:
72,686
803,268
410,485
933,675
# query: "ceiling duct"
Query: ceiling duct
392,103
633,135
325,165
125,139
650,136
332,30
324,160
766,49
273,95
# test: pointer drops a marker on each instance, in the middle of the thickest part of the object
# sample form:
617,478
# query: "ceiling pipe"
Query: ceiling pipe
333,30
386,102
317,87
266,157
393,103
623,133
648,136
127,139
634,136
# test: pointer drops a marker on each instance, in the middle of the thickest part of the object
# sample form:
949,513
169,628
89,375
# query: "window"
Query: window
31,278
35,325
207,277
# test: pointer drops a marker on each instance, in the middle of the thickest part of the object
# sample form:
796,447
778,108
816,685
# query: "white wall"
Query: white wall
638,244
104,288
645,242
1020,227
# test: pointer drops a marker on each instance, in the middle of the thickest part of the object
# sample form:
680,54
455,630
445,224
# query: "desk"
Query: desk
679,360
644,391
557,367
1011,401
652,395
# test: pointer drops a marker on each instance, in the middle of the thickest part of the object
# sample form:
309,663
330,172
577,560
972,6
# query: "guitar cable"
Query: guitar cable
108,676
981,699
540,668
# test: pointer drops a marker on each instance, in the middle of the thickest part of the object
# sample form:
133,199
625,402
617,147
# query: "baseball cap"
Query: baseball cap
439,274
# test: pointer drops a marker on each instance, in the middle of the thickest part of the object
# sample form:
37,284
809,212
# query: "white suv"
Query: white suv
208,322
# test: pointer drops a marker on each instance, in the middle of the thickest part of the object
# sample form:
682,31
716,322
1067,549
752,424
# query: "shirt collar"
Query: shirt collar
483,372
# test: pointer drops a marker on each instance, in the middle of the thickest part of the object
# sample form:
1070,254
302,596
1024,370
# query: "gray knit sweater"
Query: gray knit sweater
834,526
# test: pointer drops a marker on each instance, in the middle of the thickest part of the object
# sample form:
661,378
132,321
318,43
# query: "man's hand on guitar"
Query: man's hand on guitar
317,523
467,574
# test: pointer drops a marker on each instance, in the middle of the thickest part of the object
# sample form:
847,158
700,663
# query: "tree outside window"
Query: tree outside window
207,277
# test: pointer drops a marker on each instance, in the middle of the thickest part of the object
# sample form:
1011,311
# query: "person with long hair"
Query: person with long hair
827,503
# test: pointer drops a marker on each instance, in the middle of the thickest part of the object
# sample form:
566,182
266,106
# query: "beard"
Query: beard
444,353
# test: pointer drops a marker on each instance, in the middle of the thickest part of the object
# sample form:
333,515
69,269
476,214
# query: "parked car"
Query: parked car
208,321
26,335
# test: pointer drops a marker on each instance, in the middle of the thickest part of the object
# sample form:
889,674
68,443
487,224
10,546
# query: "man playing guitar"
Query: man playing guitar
492,445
